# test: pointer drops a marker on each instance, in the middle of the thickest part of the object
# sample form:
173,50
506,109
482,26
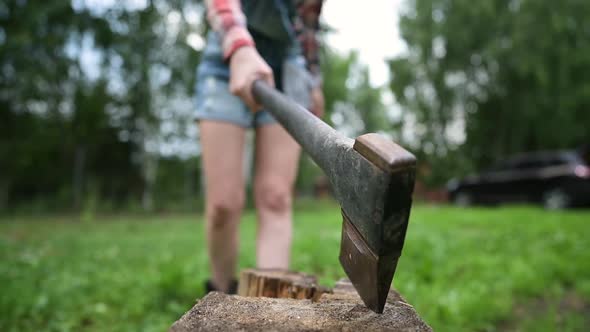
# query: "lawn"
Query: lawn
511,268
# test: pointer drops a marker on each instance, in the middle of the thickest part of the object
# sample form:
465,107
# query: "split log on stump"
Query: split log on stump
341,310
280,284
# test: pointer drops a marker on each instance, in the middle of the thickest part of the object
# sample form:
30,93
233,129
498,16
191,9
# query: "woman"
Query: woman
278,44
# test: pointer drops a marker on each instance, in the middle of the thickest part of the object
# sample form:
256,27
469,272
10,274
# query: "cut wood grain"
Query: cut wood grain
279,284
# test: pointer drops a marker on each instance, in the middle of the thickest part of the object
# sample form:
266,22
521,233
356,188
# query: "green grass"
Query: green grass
512,268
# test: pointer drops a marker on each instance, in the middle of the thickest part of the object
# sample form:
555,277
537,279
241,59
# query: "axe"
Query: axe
372,178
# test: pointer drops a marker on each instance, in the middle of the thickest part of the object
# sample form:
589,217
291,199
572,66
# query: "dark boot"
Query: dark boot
233,287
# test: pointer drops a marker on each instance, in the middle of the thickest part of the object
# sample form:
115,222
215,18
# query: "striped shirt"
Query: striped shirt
227,19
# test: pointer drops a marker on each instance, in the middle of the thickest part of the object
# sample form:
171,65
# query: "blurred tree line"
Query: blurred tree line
89,94
96,104
96,98
485,79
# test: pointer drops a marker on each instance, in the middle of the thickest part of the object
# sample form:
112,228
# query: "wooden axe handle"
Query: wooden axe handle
317,138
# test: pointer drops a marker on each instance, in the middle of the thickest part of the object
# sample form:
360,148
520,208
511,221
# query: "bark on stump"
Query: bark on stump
291,301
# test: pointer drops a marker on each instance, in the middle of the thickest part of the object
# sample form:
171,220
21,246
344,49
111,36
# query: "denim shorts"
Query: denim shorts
215,102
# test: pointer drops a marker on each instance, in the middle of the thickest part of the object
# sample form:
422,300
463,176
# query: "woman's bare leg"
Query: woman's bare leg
277,157
223,148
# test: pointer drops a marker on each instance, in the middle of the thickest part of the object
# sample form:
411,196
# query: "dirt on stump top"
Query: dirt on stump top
341,311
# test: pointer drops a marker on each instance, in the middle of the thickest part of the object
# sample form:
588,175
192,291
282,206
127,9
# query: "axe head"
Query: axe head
372,241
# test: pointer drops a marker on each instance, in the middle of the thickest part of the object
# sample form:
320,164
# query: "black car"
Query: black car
557,179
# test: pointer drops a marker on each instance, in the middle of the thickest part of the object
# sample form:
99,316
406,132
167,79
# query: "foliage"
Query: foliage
354,106
512,268
509,74
85,92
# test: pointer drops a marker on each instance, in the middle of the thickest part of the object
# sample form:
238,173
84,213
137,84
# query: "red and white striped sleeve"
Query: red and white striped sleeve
227,19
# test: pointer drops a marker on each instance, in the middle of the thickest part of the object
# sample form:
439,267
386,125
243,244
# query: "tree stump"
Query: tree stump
273,300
